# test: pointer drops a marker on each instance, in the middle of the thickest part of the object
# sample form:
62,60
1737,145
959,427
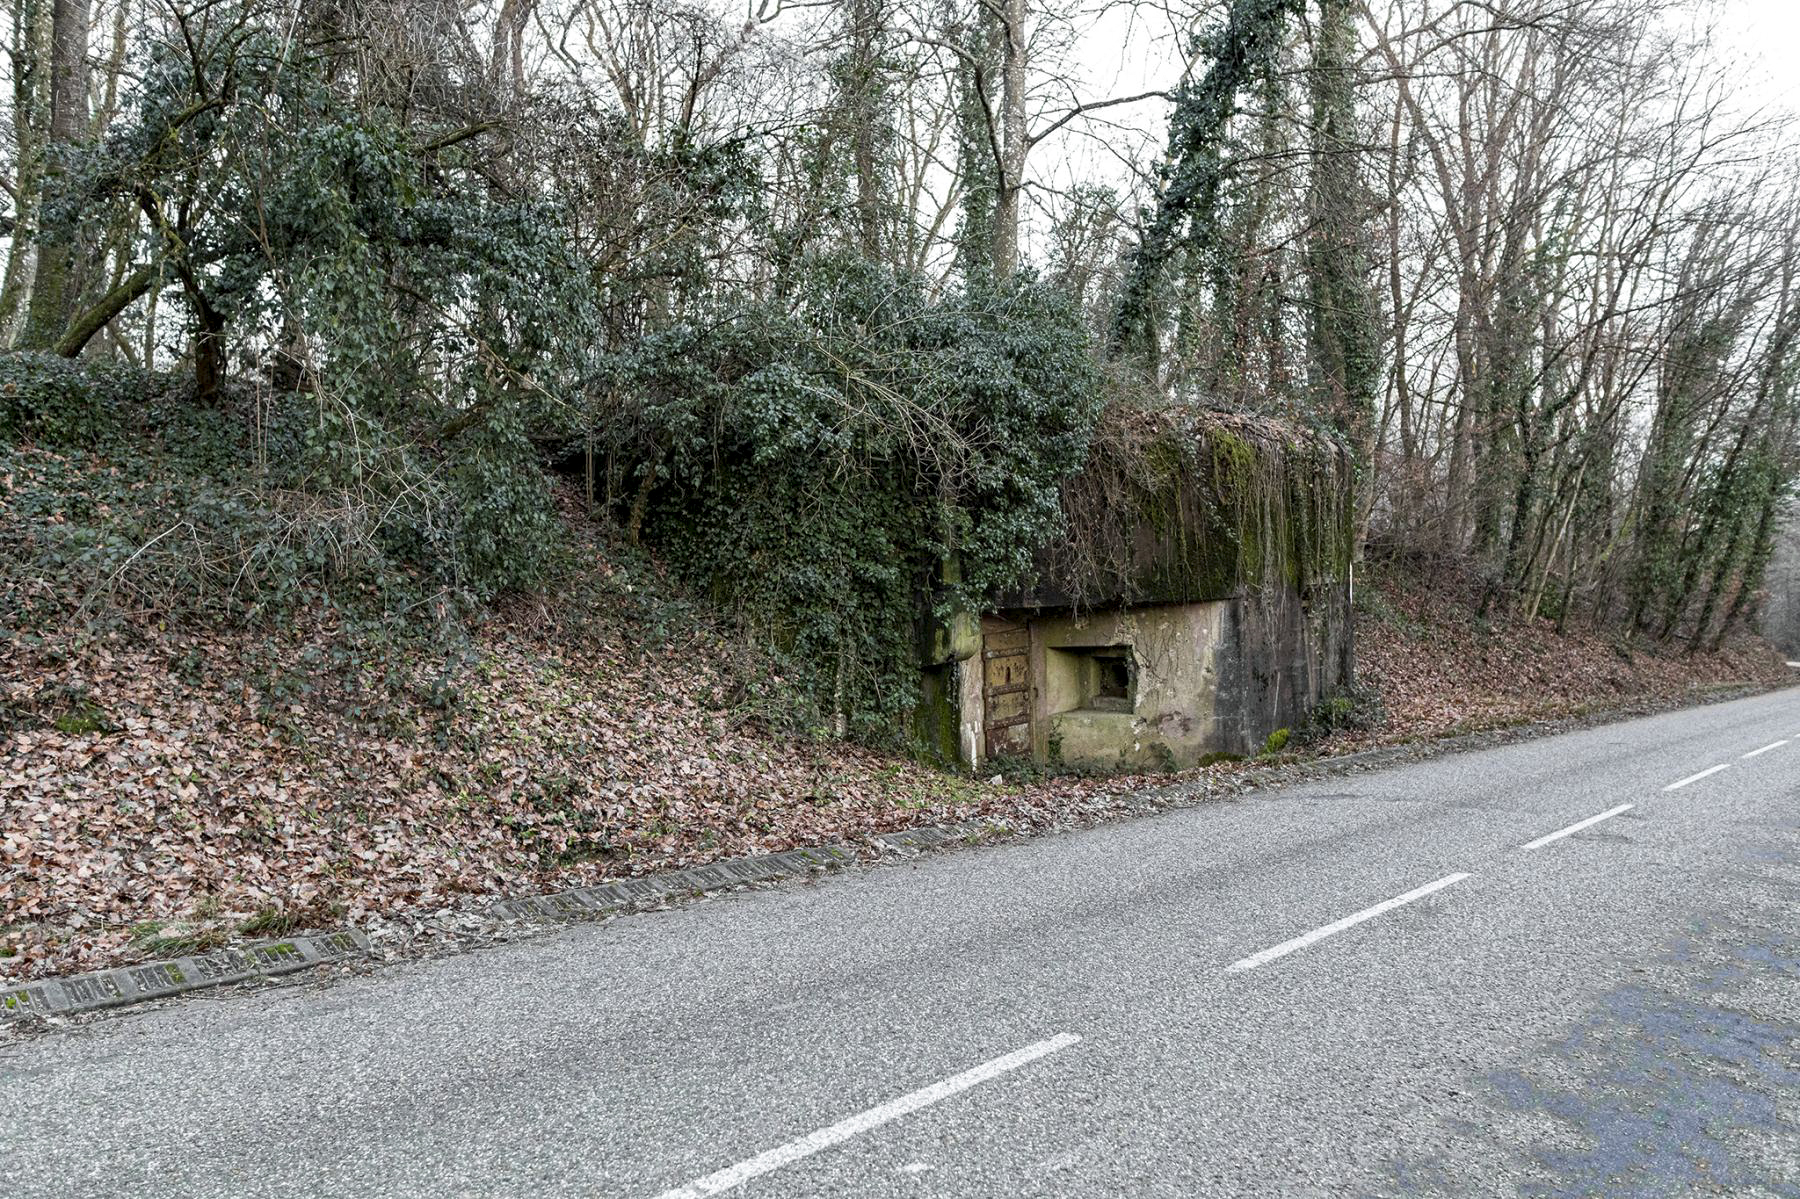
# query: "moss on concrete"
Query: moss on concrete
935,717
1183,506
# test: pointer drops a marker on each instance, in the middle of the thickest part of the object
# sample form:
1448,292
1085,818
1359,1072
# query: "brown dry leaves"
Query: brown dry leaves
562,765
570,758
1440,672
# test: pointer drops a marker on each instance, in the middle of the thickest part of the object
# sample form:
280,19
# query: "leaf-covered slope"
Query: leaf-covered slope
1440,669
317,773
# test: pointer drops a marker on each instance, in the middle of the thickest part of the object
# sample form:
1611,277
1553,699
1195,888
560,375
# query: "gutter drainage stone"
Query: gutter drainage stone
268,959
174,976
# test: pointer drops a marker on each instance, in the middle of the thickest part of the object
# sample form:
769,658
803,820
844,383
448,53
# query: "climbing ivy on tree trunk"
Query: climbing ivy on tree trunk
1343,338
1242,50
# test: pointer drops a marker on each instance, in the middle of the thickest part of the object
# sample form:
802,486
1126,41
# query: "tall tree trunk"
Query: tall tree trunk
1345,345
1341,332
30,118
1469,396
978,155
209,346
1750,582
866,20
1014,142
53,289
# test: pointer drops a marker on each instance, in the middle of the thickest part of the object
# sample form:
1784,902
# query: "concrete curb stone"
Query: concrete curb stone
584,902
175,976
124,985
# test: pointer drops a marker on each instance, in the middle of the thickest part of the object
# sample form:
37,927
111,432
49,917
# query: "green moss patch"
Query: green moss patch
1185,506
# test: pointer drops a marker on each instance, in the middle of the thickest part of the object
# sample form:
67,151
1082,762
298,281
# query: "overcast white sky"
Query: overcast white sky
1764,35
1767,32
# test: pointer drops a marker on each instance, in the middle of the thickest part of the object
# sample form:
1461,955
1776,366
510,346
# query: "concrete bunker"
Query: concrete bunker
1199,602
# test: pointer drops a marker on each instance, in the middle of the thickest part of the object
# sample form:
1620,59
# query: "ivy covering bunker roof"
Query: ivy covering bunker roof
1186,505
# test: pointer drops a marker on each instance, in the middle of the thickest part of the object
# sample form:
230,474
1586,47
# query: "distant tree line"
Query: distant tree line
1528,259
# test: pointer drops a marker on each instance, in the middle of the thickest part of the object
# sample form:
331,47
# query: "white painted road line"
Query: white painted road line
1560,833
1771,745
1694,778
1338,926
843,1130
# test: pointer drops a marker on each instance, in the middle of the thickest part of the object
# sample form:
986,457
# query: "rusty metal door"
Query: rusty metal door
1006,687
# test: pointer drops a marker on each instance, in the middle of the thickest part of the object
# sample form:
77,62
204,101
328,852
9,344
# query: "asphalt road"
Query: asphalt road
1180,1005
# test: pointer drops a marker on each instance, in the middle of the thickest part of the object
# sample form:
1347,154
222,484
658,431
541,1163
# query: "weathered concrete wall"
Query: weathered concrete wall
1286,651
1209,677
1172,715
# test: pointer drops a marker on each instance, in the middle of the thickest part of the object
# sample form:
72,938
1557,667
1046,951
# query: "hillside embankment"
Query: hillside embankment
170,783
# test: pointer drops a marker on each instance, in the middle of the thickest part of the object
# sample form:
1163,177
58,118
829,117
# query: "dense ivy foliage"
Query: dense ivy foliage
812,465
45,398
423,321
118,495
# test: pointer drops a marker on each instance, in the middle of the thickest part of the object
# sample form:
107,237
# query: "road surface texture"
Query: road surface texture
1398,983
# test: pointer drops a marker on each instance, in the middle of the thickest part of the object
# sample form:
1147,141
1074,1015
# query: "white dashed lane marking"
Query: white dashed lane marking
1694,778
1560,833
843,1130
1338,926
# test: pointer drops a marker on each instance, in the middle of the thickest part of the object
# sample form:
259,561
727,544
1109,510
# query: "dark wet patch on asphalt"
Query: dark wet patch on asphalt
1684,1083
